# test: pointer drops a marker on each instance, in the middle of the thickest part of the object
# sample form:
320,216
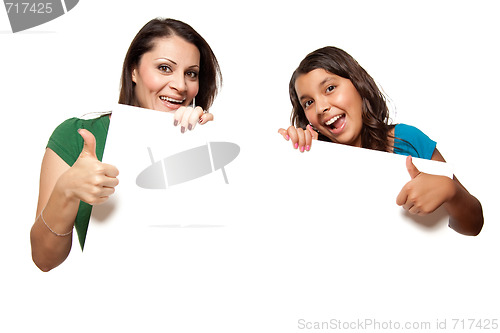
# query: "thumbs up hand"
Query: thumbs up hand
89,180
424,193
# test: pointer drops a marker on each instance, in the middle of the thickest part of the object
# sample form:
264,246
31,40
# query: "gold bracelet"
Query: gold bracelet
55,233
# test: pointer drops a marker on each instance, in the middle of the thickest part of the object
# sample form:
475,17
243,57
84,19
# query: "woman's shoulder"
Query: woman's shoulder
66,142
71,125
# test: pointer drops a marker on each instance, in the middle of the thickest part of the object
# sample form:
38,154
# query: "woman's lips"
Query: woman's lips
171,103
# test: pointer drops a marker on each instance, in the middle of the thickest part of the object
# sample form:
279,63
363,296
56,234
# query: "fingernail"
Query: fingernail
301,149
296,146
183,129
200,121
308,147
190,127
176,122
287,137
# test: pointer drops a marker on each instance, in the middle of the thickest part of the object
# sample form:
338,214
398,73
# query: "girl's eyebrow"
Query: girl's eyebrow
303,97
326,79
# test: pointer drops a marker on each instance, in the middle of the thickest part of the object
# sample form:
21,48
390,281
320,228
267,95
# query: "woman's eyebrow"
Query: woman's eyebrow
174,63
167,59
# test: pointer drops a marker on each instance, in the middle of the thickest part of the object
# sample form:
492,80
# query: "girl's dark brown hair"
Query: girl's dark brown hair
210,77
375,113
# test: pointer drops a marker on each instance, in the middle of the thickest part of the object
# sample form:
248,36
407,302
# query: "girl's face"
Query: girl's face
167,76
332,105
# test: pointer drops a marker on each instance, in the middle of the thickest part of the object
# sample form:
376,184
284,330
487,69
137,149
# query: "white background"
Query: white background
437,61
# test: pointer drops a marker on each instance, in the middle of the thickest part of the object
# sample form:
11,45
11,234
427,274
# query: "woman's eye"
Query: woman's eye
192,75
307,104
164,68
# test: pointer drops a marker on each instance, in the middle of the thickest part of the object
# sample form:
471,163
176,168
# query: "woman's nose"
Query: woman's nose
178,82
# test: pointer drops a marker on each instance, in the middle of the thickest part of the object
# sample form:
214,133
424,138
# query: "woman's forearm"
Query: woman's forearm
51,234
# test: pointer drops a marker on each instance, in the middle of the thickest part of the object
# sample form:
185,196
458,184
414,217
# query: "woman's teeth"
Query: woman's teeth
334,119
171,100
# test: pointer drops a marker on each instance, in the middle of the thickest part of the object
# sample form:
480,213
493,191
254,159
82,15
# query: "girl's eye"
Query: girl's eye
330,88
164,68
307,104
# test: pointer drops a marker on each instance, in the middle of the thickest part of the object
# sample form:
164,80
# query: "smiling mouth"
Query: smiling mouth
172,100
336,123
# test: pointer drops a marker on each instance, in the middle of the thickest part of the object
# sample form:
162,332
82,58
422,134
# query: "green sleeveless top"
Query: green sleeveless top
67,143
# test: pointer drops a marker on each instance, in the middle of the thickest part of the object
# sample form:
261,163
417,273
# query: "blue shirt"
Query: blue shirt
410,140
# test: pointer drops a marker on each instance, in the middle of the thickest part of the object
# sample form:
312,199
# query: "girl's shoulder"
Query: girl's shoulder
408,130
409,140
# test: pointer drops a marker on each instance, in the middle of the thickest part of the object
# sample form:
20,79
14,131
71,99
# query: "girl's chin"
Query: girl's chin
340,139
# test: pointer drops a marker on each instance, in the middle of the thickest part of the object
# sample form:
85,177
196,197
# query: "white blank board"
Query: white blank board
293,239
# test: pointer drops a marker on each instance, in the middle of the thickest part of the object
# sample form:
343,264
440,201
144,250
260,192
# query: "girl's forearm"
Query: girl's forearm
466,212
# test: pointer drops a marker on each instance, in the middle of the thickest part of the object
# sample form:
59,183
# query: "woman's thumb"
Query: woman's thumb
88,144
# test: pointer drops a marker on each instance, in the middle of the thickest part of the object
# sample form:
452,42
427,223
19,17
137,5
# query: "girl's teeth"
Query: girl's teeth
334,119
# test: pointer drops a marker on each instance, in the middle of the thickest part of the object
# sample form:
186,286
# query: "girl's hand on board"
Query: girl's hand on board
301,139
89,180
424,193
188,117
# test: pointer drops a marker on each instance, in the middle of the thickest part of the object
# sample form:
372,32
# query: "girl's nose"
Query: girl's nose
322,106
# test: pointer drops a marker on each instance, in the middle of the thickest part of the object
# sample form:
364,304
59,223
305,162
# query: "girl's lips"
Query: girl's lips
336,124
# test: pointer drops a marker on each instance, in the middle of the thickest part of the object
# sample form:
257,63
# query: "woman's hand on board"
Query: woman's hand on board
301,139
187,117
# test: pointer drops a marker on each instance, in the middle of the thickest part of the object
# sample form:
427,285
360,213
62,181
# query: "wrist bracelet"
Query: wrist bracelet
55,233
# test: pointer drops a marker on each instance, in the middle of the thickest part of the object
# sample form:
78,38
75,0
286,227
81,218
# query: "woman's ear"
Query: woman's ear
134,73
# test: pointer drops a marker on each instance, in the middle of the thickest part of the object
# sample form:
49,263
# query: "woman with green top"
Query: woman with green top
167,65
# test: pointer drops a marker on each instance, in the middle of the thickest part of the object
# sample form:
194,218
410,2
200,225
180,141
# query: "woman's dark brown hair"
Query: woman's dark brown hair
375,113
210,77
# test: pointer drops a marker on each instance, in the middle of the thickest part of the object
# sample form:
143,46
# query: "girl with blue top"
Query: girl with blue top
334,99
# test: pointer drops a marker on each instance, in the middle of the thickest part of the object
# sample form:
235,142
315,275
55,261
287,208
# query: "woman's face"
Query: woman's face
166,77
332,105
